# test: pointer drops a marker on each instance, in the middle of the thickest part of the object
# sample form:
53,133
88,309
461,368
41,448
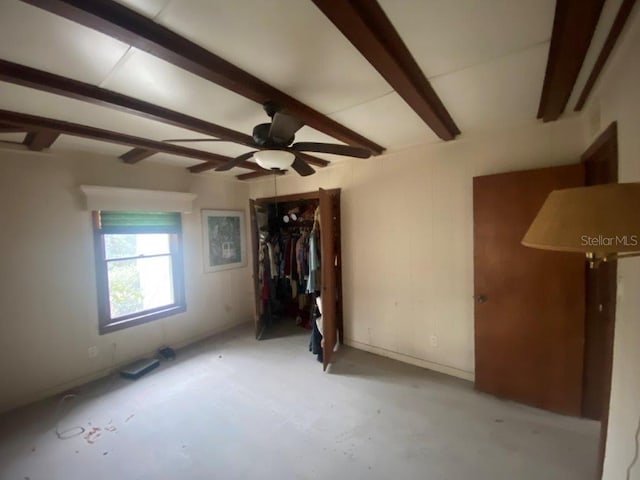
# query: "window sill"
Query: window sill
140,319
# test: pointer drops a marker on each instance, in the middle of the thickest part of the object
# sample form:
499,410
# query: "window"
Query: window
138,267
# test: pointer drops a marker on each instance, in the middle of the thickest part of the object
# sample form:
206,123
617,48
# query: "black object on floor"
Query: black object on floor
167,353
139,368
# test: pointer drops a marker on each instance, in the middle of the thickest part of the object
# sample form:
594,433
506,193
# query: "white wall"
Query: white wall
407,227
617,98
48,315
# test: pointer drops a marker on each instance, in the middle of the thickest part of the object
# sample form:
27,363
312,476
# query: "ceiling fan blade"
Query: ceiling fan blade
235,162
185,140
284,127
302,167
333,148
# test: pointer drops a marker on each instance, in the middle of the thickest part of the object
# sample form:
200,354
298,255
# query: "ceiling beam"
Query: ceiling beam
6,128
610,42
58,85
573,27
264,173
367,27
132,28
32,122
41,139
137,155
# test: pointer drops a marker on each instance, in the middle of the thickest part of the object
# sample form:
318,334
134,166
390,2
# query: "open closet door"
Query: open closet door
328,278
255,244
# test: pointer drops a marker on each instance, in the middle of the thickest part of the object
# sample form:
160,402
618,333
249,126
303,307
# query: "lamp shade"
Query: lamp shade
274,159
602,218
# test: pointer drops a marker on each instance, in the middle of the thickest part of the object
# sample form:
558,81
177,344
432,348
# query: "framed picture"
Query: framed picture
223,239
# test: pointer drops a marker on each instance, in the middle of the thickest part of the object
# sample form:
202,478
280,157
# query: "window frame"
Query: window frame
106,324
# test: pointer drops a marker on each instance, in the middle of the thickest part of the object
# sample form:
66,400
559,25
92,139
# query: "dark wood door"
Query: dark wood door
530,303
328,279
601,164
255,245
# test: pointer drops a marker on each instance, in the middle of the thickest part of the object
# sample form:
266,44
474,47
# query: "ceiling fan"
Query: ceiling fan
274,145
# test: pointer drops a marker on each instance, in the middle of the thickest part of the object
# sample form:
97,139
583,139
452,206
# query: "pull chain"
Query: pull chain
275,192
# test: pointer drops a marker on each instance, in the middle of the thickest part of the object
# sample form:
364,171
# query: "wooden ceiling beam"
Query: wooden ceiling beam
58,85
41,139
368,28
251,175
573,27
137,155
67,87
6,128
128,26
610,42
33,122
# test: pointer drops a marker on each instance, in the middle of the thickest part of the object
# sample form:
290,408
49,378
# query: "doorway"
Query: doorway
290,234
564,365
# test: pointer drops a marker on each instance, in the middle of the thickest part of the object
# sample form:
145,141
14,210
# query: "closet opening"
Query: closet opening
297,269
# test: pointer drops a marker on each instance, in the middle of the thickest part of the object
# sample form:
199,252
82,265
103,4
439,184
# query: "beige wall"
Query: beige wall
47,281
407,237
617,98
407,243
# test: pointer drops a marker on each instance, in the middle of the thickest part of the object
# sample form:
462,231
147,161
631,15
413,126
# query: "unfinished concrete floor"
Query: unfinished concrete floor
234,408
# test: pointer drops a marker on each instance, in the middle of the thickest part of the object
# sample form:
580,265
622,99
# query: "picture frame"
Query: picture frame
223,240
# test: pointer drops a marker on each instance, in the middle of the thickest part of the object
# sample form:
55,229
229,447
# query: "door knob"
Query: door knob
480,298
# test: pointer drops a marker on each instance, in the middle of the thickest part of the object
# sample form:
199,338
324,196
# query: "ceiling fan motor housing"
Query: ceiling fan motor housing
261,137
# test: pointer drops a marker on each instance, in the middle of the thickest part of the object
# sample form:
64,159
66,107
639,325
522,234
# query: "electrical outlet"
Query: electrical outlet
434,340
92,351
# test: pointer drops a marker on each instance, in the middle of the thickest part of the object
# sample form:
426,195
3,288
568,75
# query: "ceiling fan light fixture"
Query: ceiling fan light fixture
274,159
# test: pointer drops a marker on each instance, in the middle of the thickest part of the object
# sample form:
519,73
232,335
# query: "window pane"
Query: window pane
139,284
133,245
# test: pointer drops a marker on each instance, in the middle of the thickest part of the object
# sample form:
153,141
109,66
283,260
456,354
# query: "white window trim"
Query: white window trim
138,200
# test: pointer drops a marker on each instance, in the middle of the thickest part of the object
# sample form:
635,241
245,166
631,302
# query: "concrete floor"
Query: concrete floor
232,408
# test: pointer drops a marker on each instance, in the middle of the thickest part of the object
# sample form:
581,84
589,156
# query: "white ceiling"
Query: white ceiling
485,59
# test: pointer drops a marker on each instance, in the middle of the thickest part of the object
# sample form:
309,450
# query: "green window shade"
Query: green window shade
140,222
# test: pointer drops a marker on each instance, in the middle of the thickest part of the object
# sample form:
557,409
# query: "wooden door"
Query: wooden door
328,278
601,163
255,245
337,212
530,303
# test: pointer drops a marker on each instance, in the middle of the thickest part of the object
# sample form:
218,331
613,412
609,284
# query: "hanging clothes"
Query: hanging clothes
313,282
287,257
289,265
272,260
315,339
314,263
300,245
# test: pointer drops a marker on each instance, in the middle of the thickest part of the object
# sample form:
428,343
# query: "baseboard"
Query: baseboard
419,362
76,382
